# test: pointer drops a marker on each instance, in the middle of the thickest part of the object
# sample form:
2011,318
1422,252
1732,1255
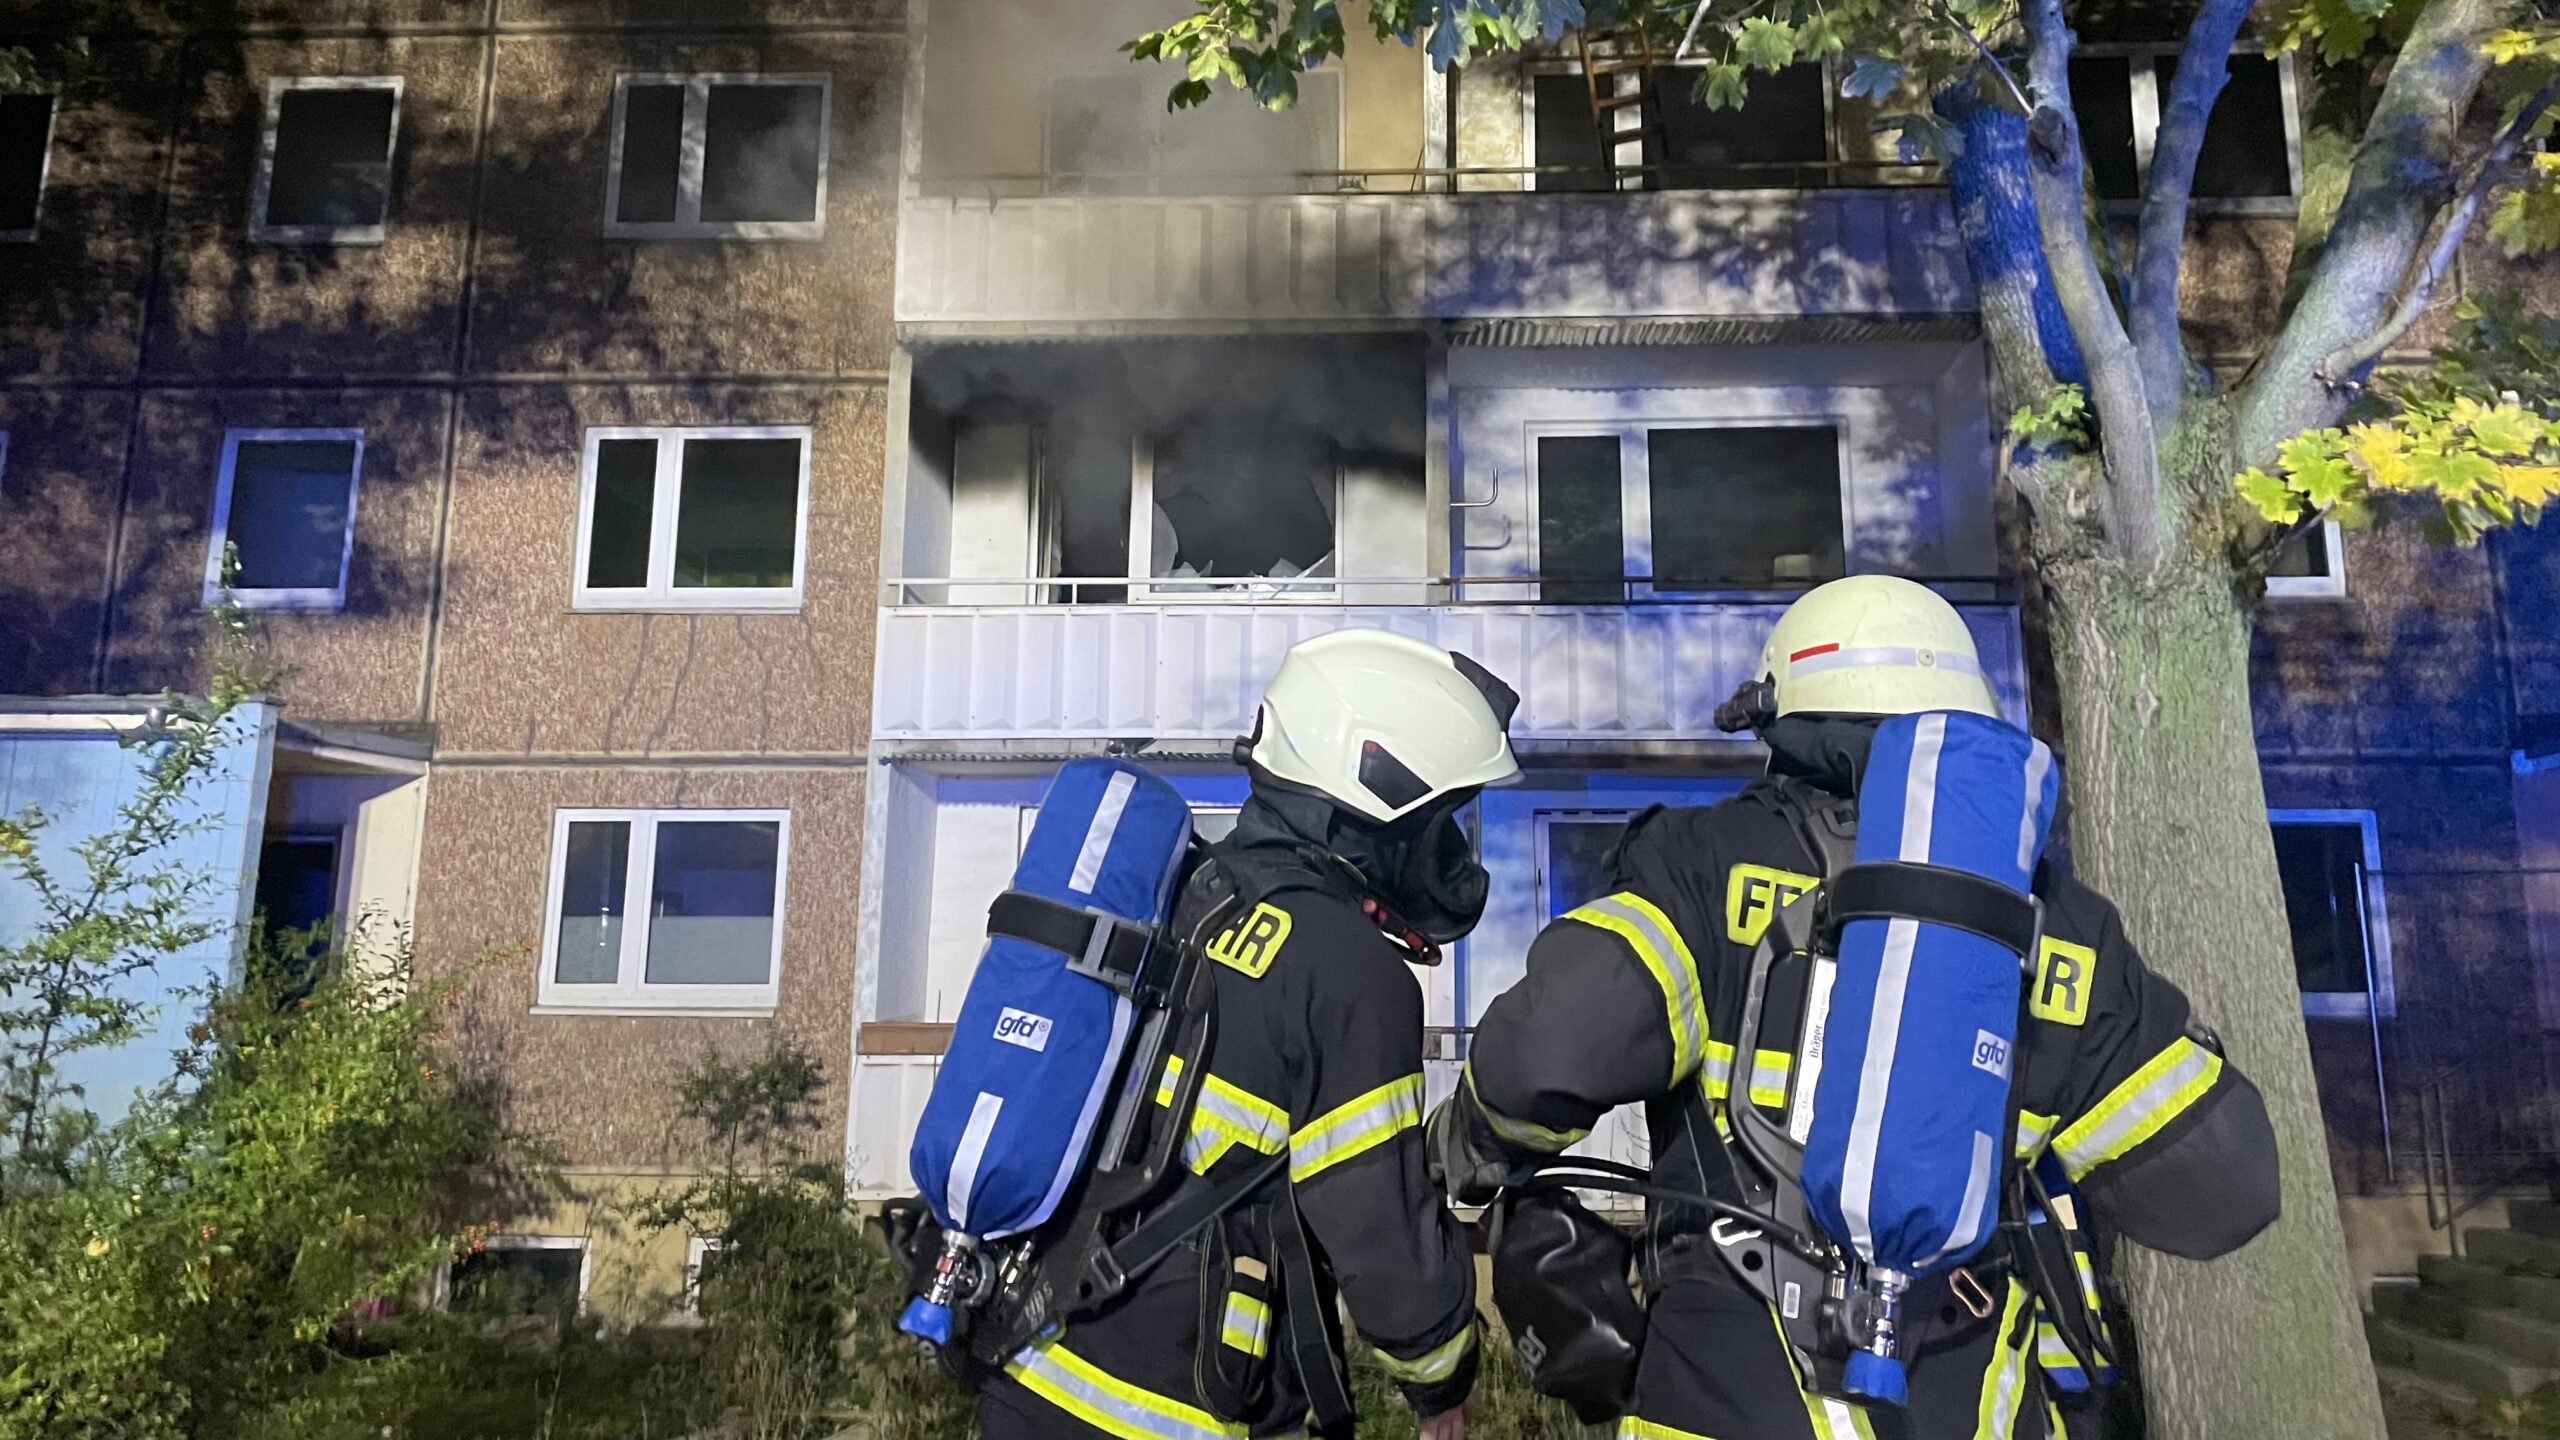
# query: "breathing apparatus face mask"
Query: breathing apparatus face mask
1429,872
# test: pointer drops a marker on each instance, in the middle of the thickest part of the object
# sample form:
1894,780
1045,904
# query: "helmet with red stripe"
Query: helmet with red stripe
1873,645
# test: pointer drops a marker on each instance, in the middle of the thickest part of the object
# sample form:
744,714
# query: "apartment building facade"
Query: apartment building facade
531,357
1449,355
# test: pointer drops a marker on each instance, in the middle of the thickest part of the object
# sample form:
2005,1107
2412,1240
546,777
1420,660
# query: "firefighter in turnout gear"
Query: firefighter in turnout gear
1349,850
1635,998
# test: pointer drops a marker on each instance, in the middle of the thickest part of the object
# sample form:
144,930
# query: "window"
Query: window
1697,508
694,519
736,157
2312,563
665,909
297,886
2330,862
286,504
1574,847
1231,503
1779,138
519,1275
324,170
2252,156
26,150
1110,134
698,1251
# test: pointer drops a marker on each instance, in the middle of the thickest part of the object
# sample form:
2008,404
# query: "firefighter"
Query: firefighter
2121,1089
1366,746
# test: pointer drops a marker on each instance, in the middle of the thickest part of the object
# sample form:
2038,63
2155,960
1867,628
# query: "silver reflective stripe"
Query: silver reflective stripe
1953,661
1116,1413
1436,1364
2190,1067
1884,1025
2039,764
1684,982
1097,836
1267,1133
1971,1216
973,1150
2013,1374
1248,1325
1123,1014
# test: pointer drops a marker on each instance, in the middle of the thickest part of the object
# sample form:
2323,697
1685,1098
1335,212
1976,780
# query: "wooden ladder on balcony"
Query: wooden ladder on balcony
1627,51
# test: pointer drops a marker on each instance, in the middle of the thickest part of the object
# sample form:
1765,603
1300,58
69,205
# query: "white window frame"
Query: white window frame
661,592
630,993
1630,150
280,597
1146,587
260,232
586,1262
696,1247
44,172
694,152
2143,85
2383,1000
2330,584
1635,494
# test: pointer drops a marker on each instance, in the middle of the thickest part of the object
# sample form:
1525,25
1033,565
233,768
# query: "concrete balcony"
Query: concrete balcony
1589,676
1029,265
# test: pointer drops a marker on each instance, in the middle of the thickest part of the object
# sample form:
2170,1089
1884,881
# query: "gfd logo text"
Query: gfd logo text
1021,1027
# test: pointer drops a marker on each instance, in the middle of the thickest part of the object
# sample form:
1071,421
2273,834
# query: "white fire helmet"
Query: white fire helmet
1873,645
1382,724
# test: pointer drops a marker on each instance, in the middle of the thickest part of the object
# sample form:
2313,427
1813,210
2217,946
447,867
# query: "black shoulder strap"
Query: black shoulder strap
1825,823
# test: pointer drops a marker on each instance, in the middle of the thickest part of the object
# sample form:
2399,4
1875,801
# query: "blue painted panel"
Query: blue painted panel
78,781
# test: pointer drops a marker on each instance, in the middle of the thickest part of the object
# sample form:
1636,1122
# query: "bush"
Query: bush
201,1266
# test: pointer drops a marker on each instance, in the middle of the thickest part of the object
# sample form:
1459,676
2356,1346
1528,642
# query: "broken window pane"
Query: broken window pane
1786,120
289,512
737,514
26,132
711,902
1237,500
2245,151
1582,534
760,152
594,874
652,153
1745,507
2322,868
2102,101
626,500
332,161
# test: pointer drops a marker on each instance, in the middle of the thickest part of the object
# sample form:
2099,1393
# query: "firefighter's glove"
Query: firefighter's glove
1470,1173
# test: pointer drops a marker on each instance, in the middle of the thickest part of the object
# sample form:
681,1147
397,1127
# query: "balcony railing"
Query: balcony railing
1192,669
974,254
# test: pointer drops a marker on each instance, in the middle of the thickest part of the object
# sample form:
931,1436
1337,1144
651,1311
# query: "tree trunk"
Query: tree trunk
2170,822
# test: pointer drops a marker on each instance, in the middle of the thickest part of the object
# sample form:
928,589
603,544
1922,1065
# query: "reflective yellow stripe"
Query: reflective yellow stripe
1224,1116
2052,1352
1632,1428
2053,1419
2134,1111
1248,1325
1164,1088
1657,943
1437,1364
1769,1069
2033,1131
1356,1128
2004,1384
1523,1133
1110,1404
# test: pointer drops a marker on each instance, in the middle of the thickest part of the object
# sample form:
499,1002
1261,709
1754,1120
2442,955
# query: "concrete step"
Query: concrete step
2472,1281
2427,1307
2514,1251
2455,1362
2531,1339
2535,1295
2422,1408
2535,1217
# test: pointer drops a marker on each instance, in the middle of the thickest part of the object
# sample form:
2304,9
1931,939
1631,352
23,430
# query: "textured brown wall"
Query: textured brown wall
602,1087
234,308
71,302
57,510
361,664
518,672
554,294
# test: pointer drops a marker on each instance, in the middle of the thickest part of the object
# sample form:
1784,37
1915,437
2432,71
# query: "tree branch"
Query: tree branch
2346,367
2403,174
2152,288
2136,515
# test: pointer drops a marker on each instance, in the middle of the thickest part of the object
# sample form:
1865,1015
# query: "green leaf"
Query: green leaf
1723,87
1873,78
2272,496
1765,44
2322,481
2508,430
